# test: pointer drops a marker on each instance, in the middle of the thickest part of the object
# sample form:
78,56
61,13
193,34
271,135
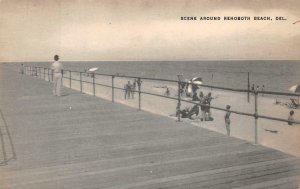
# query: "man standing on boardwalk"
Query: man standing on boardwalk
227,119
56,68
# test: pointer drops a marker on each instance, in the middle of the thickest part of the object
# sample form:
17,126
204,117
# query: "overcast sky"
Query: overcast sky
35,30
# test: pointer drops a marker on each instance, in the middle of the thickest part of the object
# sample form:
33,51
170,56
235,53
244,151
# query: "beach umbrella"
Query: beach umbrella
197,81
193,85
295,89
93,69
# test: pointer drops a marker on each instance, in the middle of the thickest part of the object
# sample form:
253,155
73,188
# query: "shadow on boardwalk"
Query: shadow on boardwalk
98,144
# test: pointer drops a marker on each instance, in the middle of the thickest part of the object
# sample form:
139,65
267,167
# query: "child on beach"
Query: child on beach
227,119
291,119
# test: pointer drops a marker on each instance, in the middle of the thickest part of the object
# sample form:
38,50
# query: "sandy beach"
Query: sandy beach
284,137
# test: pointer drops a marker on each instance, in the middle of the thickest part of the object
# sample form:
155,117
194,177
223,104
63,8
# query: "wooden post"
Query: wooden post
140,96
44,74
112,89
212,81
256,117
178,101
80,82
94,88
248,86
70,79
52,72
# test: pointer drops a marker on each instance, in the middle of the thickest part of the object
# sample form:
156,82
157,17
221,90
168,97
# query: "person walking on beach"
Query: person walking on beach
208,100
202,105
257,88
291,118
133,88
227,119
252,88
195,96
56,69
262,90
127,89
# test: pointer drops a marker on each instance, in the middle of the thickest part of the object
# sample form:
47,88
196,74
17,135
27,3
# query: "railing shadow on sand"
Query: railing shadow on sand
90,78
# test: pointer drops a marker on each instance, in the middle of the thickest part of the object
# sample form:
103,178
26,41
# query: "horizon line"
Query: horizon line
192,60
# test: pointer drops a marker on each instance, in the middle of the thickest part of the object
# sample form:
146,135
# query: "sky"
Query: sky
35,30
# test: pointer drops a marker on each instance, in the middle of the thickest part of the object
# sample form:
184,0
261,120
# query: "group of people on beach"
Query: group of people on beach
204,106
129,89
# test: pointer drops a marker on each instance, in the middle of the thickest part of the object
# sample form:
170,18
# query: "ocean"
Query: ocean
275,75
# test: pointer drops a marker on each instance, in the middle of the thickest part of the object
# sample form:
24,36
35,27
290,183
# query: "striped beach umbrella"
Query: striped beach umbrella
197,81
295,89
193,85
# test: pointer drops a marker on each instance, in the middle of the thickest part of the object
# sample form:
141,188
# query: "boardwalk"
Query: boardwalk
98,144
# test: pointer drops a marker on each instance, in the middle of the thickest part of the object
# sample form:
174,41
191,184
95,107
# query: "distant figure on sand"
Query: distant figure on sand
207,101
291,119
195,96
252,88
262,90
127,89
86,71
21,70
133,88
56,69
227,119
202,105
34,70
167,93
257,88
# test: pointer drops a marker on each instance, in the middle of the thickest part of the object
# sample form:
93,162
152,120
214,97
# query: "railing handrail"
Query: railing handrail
186,82
255,115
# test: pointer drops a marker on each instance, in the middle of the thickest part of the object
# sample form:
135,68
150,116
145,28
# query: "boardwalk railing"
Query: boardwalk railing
46,74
